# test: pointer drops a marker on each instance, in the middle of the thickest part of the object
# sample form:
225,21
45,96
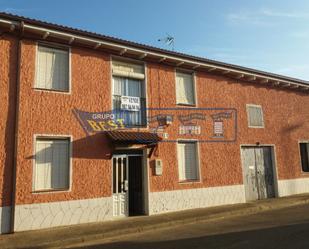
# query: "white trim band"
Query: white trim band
293,186
167,201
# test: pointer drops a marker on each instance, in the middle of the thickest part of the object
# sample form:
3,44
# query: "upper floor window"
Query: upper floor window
129,101
255,116
52,160
304,155
185,90
52,68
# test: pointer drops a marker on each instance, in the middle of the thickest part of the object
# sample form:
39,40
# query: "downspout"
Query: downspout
13,194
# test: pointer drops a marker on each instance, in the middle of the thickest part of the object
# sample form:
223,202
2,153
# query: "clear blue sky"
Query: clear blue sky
270,35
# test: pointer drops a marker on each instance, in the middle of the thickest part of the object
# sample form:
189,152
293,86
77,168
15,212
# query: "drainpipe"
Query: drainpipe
13,194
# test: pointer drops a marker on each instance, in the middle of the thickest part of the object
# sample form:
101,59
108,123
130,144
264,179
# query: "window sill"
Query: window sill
189,181
52,90
256,127
46,191
186,105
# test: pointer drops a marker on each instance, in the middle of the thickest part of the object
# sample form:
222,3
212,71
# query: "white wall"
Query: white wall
293,186
167,201
53,214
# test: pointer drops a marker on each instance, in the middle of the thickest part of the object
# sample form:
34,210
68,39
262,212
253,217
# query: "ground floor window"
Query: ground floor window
52,160
188,160
304,154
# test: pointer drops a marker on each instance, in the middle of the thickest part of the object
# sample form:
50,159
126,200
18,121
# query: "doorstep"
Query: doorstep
67,235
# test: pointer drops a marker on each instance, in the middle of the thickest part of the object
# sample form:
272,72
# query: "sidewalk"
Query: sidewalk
63,236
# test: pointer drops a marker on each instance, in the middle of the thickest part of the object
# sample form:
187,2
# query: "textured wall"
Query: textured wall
50,113
47,112
8,57
285,118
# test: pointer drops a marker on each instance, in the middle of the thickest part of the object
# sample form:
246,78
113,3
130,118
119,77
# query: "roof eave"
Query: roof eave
141,52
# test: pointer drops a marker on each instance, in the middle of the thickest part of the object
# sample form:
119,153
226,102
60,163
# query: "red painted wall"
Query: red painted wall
8,57
50,113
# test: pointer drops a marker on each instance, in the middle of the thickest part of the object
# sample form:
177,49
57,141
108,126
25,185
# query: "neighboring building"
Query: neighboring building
94,128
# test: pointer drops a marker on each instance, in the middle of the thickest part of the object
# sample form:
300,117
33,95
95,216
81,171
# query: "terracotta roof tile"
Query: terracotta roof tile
133,137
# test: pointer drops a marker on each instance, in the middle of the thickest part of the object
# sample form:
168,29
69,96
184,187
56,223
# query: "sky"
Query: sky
270,35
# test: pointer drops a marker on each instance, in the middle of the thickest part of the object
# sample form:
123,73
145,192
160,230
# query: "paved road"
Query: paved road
280,229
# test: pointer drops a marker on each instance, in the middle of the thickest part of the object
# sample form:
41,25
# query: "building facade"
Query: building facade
94,128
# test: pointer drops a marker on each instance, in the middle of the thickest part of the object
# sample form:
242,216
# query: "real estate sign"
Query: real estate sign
129,103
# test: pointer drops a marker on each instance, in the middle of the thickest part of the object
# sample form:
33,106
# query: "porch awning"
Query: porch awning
133,137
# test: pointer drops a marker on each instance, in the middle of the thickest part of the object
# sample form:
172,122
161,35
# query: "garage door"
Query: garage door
258,172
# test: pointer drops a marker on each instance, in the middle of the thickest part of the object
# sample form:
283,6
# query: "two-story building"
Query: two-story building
95,128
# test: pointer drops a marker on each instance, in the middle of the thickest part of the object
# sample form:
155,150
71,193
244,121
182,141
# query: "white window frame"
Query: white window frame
70,173
55,46
193,75
248,116
198,166
145,80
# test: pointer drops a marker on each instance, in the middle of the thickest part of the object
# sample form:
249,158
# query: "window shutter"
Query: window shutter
181,161
60,164
185,88
52,69
255,116
43,165
191,162
51,164
180,90
187,161
130,70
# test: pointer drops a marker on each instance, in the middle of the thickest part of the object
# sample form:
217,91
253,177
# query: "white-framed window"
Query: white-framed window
304,155
255,116
129,86
52,164
52,68
185,90
188,163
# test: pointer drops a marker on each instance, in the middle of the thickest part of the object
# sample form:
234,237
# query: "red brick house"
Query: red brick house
95,128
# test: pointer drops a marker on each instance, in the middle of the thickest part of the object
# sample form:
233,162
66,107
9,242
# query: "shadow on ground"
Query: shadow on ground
283,237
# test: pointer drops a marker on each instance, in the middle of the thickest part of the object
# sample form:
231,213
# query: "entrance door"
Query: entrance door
258,172
135,186
120,185
128,185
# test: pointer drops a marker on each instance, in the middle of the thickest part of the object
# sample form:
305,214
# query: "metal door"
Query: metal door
248,161
258,172
265,174
120,185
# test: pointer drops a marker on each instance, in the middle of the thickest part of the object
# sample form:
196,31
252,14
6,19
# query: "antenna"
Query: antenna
168,40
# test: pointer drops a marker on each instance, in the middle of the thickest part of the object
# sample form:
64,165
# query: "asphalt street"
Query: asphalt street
283,229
